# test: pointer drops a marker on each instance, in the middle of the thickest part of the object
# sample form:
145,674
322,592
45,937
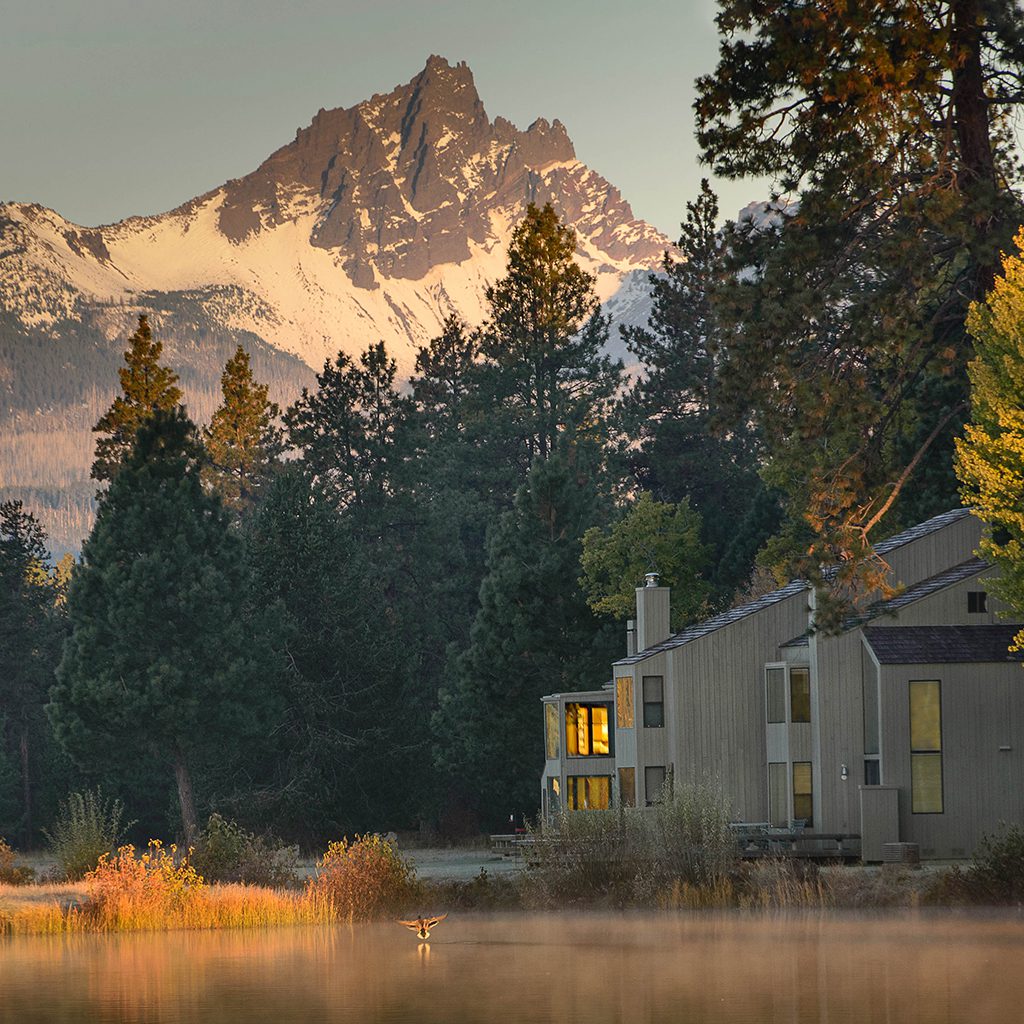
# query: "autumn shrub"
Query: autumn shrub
226,852
12,873
994,877
87,826
154,890
363,879
629,856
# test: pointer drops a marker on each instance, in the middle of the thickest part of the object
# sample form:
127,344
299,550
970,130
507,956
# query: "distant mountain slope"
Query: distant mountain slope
375,222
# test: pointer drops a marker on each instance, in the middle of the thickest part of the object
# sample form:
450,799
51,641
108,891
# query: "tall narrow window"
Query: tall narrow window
803,796
627,787
554,795
654,784
775,685
551,730
624,702
654,702
799,695
925,746
778,802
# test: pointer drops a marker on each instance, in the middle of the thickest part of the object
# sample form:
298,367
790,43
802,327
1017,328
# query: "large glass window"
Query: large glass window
627,787
589,792
551,731
624,702
799,695
775,683
803,797
586,730
654,702
925,746
654,784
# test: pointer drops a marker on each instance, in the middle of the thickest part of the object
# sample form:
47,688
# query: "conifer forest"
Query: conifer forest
336,613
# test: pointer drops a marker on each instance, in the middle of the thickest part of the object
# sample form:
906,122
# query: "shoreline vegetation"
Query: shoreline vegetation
678,859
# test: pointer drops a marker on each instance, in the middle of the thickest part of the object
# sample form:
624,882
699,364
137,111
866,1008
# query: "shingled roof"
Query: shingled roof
941,645
701,629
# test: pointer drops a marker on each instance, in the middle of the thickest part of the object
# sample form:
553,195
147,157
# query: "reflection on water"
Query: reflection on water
540,968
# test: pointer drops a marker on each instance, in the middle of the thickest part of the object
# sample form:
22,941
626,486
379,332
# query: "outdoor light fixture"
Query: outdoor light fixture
844,773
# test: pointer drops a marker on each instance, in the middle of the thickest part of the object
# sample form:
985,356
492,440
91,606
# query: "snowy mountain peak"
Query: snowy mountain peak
376,221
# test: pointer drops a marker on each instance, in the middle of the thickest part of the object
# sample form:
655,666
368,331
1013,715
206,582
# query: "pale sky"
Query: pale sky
118,107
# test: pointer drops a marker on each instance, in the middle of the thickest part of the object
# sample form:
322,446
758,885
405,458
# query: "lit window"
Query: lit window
977,601
925,746
803,797
589,792
775,683
799,695
586,730
627,787
654,784
654,702
551,744
554,795
624,702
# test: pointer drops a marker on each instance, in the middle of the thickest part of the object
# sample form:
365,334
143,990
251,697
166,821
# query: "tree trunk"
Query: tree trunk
971,116
185,798
26,783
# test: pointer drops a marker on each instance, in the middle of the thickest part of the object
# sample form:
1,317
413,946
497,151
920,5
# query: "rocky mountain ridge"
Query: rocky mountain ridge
376,221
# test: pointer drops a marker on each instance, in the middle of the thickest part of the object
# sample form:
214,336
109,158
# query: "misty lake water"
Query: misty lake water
727,969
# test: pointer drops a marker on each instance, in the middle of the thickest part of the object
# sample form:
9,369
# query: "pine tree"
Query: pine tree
30,633
672,408
166,659
544,374
534,634
886,123
990,456
146,386
350,430
243,442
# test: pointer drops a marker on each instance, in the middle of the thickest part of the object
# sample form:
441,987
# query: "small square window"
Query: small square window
977,601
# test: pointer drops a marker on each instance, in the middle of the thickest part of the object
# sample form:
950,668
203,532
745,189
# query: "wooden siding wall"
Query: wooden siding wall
837,709
936,552
716,713
982,710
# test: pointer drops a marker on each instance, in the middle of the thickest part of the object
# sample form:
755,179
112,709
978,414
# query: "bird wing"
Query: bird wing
430,922
410,924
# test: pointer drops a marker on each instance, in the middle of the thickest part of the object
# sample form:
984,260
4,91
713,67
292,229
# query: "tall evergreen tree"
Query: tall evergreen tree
30,633
990,456
544,371
349,430
145,387
886,123
165,660
534,634
243,441
672,408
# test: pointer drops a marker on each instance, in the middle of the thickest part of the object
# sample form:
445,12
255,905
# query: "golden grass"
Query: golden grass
159,890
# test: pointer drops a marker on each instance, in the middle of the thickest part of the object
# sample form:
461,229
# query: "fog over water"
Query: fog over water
918,969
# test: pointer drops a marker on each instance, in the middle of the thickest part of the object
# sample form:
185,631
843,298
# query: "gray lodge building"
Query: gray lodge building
906,727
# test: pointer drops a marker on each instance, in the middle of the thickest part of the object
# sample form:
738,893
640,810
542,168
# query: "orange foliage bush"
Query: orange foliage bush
11,873
362,879
155,890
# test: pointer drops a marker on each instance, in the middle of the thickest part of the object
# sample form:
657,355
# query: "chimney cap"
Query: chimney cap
650,579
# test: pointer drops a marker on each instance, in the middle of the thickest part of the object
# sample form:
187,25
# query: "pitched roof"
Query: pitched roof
702,629
921,530
940,645
925,588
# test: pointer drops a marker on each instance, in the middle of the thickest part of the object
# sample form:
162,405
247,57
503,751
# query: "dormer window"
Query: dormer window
977,602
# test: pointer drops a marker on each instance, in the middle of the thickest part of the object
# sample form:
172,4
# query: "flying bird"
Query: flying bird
422,925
